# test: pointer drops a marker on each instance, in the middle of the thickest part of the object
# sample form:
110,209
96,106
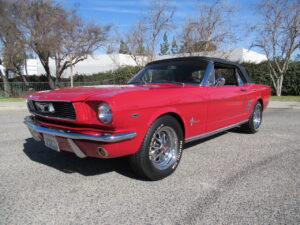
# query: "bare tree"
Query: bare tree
131,44
158,20
53,32
42,23
113,50
278,36
3,75
13,47
136,41
3,26
142,39
209,30
79,40
14,58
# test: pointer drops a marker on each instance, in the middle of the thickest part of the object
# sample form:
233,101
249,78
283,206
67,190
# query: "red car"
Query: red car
168,103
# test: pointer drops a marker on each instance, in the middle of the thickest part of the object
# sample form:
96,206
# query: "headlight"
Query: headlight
105,113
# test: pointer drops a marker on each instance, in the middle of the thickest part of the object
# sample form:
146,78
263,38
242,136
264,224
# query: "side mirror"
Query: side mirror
220,82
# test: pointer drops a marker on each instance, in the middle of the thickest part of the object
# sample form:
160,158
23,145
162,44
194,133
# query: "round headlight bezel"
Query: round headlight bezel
104,113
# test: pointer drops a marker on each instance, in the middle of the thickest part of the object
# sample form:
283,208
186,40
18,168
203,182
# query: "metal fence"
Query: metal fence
21,89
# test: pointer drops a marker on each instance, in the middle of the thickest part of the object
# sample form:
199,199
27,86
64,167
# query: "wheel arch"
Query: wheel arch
172,113
261,102
178,118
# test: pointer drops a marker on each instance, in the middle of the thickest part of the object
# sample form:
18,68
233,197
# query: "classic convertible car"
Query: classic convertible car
168,103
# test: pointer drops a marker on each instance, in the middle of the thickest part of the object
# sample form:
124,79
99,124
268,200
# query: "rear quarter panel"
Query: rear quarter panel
262,92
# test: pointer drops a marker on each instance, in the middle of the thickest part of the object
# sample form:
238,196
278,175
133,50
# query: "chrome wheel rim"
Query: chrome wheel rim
257,114
164,148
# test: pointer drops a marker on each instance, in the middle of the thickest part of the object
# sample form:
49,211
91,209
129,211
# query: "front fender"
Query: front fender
164,111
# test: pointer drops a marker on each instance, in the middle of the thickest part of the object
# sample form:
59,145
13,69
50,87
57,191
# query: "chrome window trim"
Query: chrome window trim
209,70
241,76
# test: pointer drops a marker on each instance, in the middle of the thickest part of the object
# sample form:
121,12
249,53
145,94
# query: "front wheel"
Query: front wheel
254,123
161,151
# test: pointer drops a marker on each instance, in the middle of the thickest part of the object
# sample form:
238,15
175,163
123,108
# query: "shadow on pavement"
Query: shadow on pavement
68,162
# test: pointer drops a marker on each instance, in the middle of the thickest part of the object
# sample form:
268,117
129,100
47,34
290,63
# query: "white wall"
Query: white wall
32,67
93,64
105,62
252,56
235,55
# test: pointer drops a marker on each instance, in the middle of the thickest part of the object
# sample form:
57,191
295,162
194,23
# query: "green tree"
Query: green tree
199,46
141,49
164,47
174,47
123,49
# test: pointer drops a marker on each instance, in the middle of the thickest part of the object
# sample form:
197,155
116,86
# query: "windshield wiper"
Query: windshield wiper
138,82
167,81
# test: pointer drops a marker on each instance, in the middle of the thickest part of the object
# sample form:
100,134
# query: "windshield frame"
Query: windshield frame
202,83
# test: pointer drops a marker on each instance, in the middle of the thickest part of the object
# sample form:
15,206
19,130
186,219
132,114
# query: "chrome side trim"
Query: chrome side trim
76,149
59,133
187,140
48,100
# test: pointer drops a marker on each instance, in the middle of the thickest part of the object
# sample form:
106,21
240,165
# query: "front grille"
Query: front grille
62,110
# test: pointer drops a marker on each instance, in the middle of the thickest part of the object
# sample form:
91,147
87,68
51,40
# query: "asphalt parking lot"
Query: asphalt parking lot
231,178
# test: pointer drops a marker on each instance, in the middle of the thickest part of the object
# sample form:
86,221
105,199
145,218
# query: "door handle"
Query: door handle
244,89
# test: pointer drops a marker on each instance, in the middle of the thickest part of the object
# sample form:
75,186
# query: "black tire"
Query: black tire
251,126
146,161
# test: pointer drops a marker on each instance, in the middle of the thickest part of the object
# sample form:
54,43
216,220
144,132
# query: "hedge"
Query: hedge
291,82
259,73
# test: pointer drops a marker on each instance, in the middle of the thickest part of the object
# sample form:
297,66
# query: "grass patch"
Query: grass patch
286,98
12,99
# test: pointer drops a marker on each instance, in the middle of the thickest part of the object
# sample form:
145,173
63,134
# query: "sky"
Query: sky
124,14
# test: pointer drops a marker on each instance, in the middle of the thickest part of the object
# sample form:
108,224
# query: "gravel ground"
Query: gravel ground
231,178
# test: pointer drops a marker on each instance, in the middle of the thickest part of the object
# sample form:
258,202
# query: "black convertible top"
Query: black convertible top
202,58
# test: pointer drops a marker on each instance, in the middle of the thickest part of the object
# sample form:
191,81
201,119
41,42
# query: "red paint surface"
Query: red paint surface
210,107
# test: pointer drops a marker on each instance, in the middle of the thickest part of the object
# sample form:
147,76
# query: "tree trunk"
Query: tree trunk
45,63
57,83
7,89
50,79
25,64
19,72
26,72
71,76
279,85
24,80
51,82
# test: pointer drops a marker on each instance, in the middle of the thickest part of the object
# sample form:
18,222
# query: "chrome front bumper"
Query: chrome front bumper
32,126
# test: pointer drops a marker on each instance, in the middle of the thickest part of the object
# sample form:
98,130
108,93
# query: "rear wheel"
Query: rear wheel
161,151
254,123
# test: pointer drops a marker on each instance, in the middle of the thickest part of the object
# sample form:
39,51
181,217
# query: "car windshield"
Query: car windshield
191,72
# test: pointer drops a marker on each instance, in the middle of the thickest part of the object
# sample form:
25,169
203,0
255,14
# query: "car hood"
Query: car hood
87,92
